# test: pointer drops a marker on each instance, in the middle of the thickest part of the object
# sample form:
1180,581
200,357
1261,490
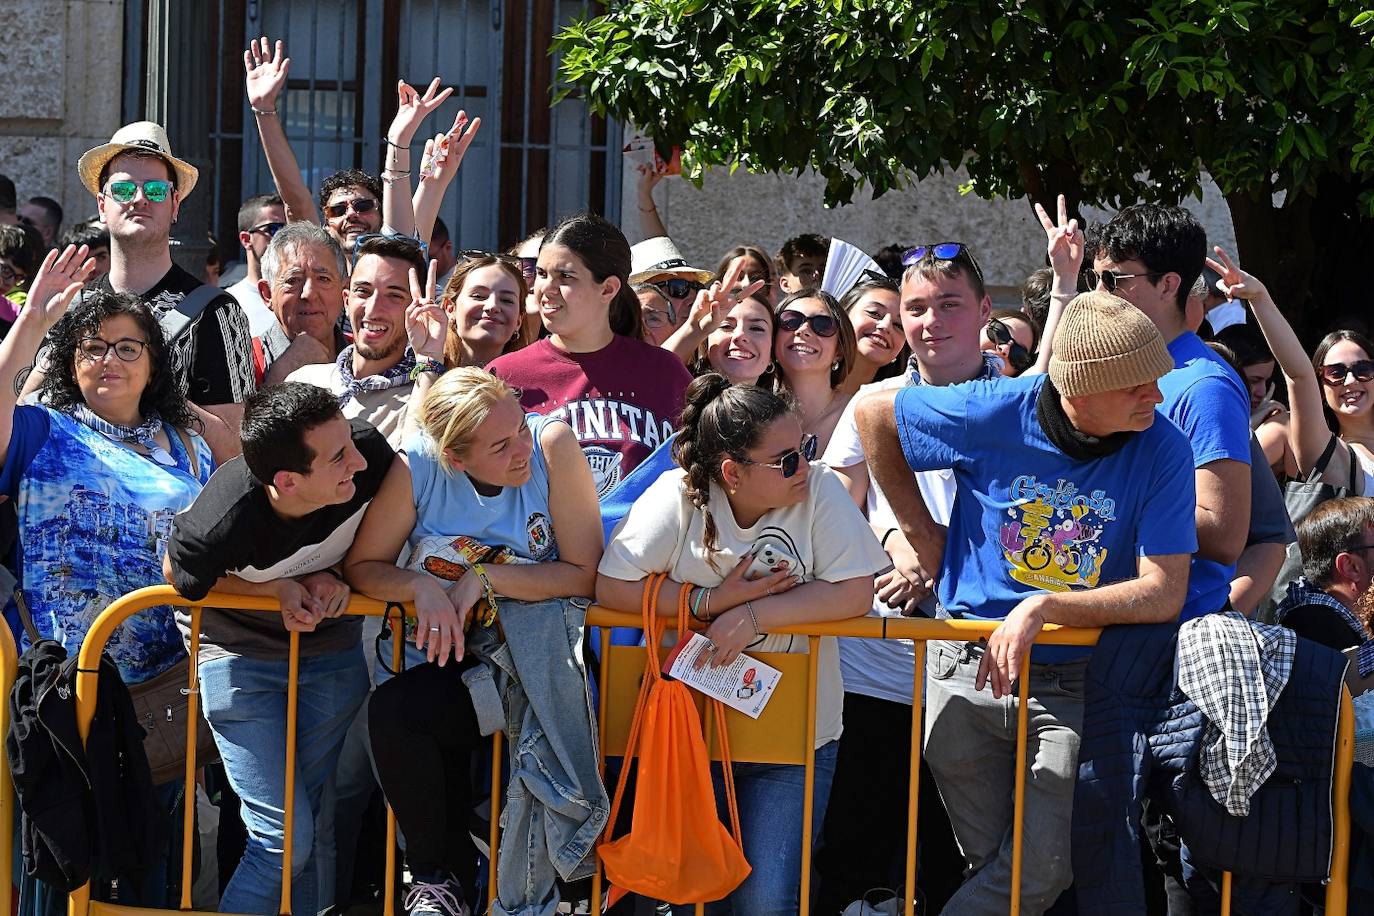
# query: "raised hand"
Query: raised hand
1063,242
445,152
1235,283
426,320
57,282
264,73
412,108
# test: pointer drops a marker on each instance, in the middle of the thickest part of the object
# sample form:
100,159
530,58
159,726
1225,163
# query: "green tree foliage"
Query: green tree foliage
1106,102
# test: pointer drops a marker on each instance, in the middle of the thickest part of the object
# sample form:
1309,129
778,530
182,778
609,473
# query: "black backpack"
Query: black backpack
87,813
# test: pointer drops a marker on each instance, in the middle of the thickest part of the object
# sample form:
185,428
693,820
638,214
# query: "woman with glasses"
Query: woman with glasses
1330,398
98,471
485,300
620,395
1012,336
527,253
874,307
814,346
760,538
95,475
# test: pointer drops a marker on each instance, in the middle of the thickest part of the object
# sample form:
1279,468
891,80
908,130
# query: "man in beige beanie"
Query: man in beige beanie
1074,506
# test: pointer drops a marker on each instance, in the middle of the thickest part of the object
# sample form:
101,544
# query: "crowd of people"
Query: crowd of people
370,411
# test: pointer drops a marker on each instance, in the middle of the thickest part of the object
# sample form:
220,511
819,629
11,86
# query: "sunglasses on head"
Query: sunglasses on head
1111,279
477,254
790,462
366,237
678,288
1334,374
359,205
942,251
821,323
1001,335
155,191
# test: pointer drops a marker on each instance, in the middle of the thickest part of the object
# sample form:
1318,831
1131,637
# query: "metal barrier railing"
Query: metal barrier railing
919,631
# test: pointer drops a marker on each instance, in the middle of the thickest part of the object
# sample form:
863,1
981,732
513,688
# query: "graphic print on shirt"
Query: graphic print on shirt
1052,539
598,420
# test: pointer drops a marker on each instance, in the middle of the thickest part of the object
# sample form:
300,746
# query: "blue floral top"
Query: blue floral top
93,523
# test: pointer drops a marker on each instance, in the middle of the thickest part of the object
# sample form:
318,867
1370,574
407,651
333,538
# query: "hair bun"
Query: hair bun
705,389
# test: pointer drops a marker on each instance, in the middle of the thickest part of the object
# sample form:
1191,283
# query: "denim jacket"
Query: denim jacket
534,687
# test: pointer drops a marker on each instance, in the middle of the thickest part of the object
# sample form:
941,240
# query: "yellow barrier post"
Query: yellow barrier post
9,666
913,805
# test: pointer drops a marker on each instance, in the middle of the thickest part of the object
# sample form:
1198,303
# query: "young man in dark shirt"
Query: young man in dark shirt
139,185
277,522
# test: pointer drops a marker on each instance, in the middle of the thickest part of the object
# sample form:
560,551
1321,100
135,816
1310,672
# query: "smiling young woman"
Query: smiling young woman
814,346
620,395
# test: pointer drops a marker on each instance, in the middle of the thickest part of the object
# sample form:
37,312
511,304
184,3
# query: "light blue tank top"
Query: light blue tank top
447,505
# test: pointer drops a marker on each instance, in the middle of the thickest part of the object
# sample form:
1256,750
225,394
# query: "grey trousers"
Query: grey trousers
970,745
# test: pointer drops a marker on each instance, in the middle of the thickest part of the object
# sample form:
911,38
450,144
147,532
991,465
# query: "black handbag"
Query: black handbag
1300,497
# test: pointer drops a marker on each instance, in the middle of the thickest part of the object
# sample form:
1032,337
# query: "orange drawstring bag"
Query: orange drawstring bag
677,850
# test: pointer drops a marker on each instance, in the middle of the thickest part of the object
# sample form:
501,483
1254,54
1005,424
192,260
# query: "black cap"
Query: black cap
9,199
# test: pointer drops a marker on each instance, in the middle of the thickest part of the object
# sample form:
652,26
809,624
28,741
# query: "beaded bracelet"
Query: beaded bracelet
749,606
265,114
696,602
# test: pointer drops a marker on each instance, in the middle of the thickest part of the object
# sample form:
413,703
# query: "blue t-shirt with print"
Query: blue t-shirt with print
1205,399
1028,518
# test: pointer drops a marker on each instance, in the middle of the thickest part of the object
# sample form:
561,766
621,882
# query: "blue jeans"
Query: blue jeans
244,700
771,798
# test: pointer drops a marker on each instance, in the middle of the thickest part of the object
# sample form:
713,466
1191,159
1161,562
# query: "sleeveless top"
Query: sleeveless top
447,504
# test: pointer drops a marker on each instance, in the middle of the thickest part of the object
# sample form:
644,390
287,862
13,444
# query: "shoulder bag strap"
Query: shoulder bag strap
176,320
190,447
653,634
1354,471
1320,467
25,616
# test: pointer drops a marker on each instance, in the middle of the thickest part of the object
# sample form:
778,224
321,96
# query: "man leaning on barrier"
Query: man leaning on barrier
1088,521
277,522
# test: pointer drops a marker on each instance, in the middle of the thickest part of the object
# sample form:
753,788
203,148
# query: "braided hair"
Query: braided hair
721,420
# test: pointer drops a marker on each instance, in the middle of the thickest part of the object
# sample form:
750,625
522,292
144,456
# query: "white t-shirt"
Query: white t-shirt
385,410
883,668
664,532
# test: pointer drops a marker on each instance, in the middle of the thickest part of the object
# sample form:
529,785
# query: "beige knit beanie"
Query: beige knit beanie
1103,343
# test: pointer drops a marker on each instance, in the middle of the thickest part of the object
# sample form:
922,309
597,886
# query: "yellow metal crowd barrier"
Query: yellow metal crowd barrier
9,664
780,735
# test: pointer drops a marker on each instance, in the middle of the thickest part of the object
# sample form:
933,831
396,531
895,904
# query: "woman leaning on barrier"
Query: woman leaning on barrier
98,471
747,495
498,514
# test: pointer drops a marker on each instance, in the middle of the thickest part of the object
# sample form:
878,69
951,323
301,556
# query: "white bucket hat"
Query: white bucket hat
140,135
658,258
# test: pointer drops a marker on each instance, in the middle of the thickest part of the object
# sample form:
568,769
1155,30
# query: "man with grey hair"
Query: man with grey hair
302,284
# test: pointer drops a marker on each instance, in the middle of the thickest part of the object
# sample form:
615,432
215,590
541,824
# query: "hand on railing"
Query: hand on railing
310,599
439,621
1007,647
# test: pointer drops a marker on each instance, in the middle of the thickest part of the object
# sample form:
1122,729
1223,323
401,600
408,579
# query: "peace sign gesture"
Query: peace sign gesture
1063,242
714,303
412,108
57,283
426,320
1235,283
264,73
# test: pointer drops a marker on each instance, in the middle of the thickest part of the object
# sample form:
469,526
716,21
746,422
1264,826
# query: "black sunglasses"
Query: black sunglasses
267,229
821,323
359,205
942,251
1001,335
1334,374
790,462
678,288
1110,279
